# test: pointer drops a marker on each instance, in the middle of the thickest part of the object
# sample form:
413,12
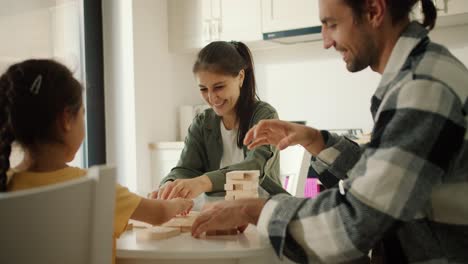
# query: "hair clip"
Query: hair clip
36,85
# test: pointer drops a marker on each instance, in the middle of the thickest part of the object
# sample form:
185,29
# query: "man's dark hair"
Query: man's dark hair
399,10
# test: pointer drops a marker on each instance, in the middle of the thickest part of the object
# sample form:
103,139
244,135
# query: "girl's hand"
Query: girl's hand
179,206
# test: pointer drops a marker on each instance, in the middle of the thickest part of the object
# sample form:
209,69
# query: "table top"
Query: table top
184,246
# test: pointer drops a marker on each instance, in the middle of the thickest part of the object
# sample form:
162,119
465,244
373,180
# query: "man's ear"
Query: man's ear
376,11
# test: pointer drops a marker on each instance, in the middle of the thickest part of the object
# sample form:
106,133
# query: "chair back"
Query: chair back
69,222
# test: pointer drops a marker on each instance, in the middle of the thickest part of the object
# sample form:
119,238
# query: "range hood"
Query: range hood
292,36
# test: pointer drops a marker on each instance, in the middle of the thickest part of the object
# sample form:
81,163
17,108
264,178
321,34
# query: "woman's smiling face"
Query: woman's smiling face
221,92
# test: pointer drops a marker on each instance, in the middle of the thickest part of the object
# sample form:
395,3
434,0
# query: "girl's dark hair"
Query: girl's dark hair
229,58
32,95
400,9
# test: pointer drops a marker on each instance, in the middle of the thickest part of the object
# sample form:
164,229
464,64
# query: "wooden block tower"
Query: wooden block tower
241,184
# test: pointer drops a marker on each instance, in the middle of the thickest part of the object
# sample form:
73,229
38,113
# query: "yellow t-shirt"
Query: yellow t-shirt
125,204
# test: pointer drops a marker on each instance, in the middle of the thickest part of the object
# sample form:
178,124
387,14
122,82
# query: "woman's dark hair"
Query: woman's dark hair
32,95
400,9
229,58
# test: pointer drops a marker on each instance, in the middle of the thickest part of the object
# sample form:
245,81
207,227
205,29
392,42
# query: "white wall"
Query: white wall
25,34
163,81
306,82
145,84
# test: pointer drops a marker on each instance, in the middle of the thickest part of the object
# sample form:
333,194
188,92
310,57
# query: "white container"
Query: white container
164,157
186,115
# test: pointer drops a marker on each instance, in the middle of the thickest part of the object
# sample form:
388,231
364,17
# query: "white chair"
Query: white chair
70,222
295,162
298,183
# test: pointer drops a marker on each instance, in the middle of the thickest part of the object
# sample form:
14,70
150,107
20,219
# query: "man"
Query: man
403,195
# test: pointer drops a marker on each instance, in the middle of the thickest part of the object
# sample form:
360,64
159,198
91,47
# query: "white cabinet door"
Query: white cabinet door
279,15
188,30
451,7
240,20
195,23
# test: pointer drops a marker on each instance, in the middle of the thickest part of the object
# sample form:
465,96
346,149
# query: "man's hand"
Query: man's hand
283,134
228,215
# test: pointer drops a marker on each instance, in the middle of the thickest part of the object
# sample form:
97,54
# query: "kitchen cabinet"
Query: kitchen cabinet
280,15
195,23
241,20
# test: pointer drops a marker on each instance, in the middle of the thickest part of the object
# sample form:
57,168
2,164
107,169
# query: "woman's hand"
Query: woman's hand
283,134
157,193
185,188
227,215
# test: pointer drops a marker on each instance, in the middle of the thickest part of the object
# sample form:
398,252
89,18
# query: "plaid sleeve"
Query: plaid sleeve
419,130
334,162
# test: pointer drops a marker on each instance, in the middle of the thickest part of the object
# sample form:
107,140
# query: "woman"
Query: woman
213,146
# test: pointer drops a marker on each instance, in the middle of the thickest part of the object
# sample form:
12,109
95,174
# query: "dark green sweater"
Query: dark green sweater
203,151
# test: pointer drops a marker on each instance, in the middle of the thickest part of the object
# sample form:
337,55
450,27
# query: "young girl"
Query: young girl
42,110
213,146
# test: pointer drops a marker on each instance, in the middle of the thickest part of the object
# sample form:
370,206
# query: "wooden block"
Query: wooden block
235,175
157,233
139,224
129,227
183,223
242,193
228,187
245,195
243,175
247,184
227,232
229,197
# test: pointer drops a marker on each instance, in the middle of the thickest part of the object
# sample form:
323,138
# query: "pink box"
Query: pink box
311,187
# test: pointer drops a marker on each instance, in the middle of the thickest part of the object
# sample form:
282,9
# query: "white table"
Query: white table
246,248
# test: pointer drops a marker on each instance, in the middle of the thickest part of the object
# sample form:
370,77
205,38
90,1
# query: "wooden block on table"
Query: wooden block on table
229,197
227,232
129,227
139,224
157,233
183,223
